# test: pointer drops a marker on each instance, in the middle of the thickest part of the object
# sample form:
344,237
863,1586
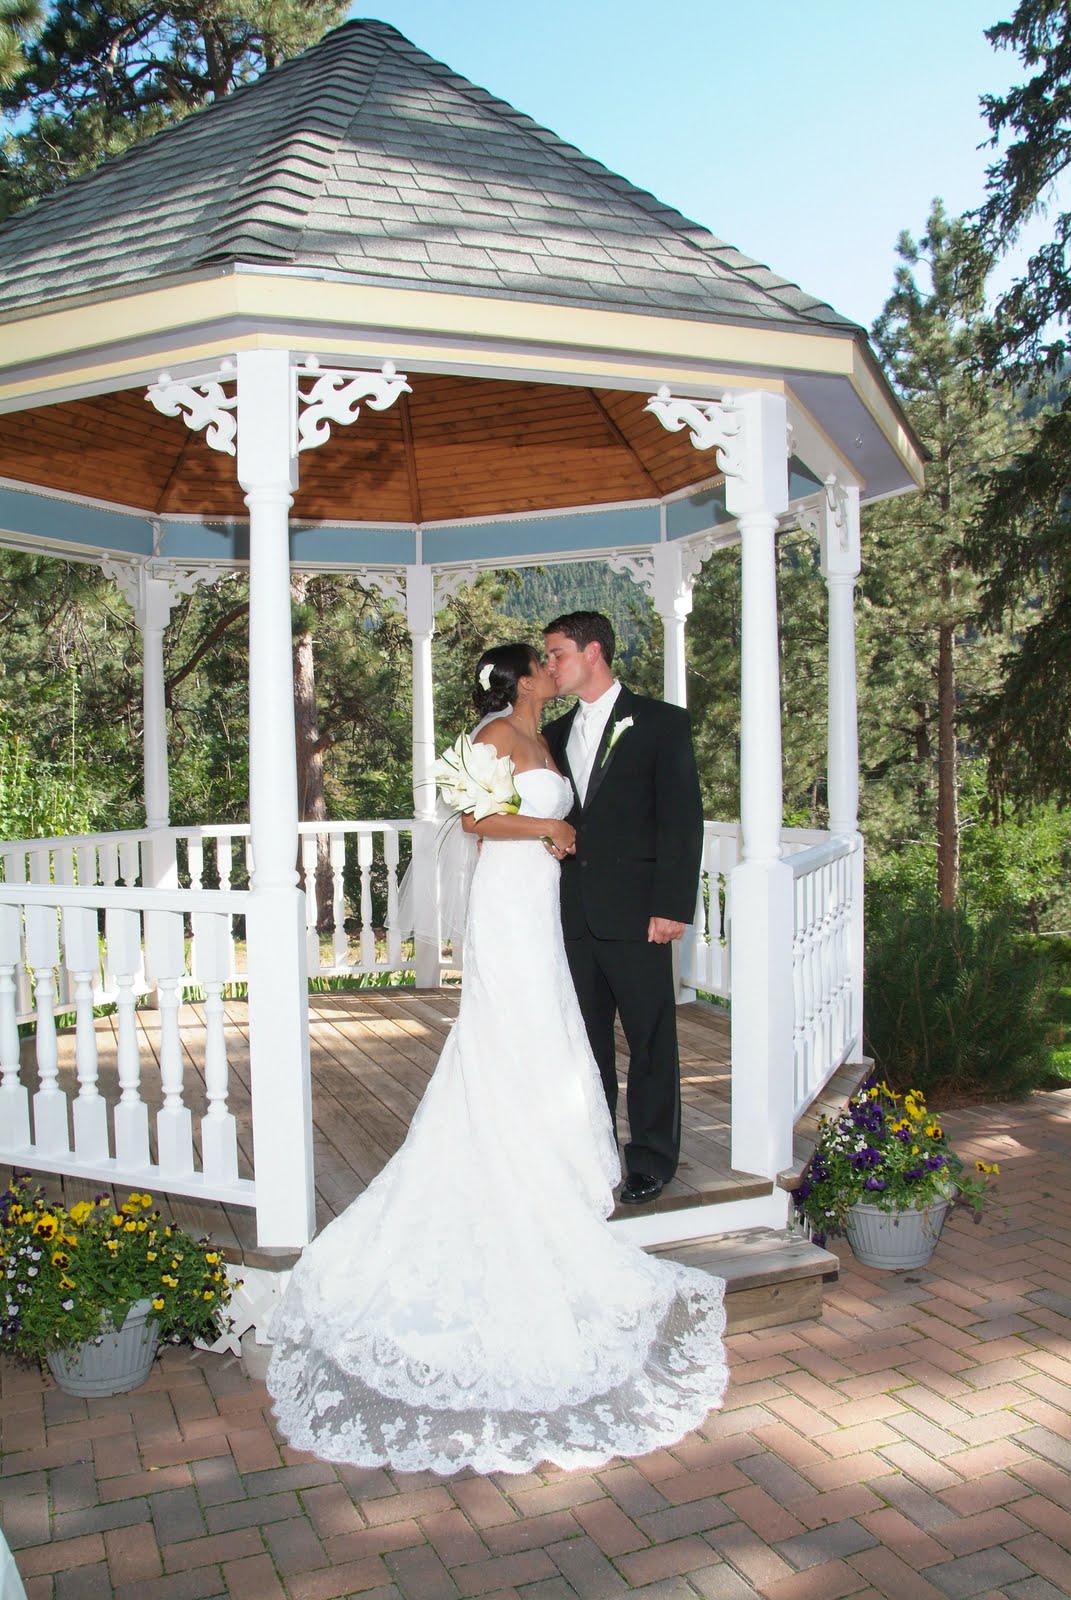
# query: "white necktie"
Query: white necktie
585,729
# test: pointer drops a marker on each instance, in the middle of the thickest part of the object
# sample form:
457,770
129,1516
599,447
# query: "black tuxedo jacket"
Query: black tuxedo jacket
639,832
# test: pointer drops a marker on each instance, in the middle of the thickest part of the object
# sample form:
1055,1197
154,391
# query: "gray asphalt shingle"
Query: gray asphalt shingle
365,158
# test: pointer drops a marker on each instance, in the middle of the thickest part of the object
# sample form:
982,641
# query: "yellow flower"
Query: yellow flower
150,1255
46,1225
66,1283
212,1257
112,1245
146,1201
158,1305
130,1227
129,1207
117,1221
210,1294
60,1259
935,1131
172,1283
141,1226
80,1212
984,1166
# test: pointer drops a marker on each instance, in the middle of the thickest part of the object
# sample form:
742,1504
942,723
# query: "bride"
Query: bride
473,1308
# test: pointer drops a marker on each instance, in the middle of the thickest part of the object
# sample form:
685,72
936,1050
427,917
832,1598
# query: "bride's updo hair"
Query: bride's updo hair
498,672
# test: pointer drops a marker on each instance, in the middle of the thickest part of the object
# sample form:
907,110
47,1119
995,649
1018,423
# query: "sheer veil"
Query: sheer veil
455,862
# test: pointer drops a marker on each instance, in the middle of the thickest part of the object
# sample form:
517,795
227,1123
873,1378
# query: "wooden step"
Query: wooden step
770,1276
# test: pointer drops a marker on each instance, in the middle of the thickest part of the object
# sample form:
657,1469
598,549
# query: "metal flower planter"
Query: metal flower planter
122,1360
895,1240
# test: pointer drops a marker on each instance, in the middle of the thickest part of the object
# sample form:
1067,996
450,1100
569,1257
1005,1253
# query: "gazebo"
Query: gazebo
364,317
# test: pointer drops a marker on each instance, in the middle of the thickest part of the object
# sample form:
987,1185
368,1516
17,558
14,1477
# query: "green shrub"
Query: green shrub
955,1005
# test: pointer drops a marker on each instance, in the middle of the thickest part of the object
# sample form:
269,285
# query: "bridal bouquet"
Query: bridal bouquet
473,779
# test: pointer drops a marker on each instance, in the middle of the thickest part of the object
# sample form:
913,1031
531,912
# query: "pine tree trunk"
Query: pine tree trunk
947,770
312,805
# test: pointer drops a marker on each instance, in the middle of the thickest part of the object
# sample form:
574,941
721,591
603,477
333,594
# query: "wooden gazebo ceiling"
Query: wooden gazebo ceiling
455,447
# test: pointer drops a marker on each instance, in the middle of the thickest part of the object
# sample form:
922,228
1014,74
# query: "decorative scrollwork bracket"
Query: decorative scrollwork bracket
201,402
640,568
336,395
713,424
447,584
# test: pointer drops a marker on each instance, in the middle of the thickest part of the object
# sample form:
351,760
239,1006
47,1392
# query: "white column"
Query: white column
840,545
761,886
750,435
278,984
153,615
420,615
840,568
673,602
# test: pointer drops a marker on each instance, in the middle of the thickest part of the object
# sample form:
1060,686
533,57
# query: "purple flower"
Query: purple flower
915,1172
903,1134
874,1183
935,1163
862,1159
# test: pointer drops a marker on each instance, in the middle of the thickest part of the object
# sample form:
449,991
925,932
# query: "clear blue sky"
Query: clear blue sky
808,133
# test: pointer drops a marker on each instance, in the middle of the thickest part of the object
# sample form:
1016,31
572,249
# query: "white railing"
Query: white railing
825,986
707,946
50,932
359,880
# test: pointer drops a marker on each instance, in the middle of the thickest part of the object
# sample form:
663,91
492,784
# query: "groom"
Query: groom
631,887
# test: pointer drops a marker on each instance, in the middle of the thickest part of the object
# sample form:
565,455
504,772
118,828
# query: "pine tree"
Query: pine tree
916,576
1022,543
103,74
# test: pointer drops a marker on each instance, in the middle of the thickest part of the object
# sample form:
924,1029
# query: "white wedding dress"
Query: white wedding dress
473,1307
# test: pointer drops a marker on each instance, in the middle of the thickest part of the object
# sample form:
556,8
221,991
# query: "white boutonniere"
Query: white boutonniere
616,732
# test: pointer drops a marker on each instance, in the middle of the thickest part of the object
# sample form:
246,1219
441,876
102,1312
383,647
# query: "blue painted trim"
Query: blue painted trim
38,516
544,536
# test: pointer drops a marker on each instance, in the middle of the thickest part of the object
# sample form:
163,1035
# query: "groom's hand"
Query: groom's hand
660,930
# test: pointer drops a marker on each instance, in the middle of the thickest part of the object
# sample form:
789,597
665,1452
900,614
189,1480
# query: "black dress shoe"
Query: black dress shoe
639,1188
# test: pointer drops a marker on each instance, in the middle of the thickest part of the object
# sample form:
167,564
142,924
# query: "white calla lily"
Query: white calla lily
473,779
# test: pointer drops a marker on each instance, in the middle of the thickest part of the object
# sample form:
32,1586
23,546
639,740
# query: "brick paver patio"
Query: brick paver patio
915,1445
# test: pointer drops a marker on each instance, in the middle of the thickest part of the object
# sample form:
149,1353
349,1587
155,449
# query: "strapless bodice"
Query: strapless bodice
544,793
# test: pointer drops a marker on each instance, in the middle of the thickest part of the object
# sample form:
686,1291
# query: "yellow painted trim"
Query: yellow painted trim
554,340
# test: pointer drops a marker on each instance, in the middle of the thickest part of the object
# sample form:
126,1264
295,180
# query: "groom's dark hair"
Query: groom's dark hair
584,628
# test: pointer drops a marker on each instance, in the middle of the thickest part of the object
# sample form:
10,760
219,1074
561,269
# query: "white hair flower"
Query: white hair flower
485,676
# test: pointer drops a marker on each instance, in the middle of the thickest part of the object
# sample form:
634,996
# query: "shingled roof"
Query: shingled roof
364,159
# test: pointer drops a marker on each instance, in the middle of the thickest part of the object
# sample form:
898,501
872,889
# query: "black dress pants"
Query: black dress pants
634,979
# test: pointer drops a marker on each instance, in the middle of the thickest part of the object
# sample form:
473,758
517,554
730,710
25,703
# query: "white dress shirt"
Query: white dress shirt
585,735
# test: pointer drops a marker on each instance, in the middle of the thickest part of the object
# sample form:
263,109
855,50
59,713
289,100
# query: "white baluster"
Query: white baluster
130,861
108,862
166,956
368,932
123,934
195,855
308,844
82,960
219,1134
224,846
50,1102
391,844
339,939
14,1099
86,865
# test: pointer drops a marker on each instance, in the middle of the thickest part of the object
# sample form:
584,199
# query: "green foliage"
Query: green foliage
887,1150
100,77
954,1005
18,21
38,800
67,1273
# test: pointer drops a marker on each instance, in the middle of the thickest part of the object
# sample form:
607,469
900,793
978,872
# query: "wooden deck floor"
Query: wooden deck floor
373,1052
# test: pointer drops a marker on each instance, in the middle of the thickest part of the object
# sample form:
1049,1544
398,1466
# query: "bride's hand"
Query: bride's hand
559,838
